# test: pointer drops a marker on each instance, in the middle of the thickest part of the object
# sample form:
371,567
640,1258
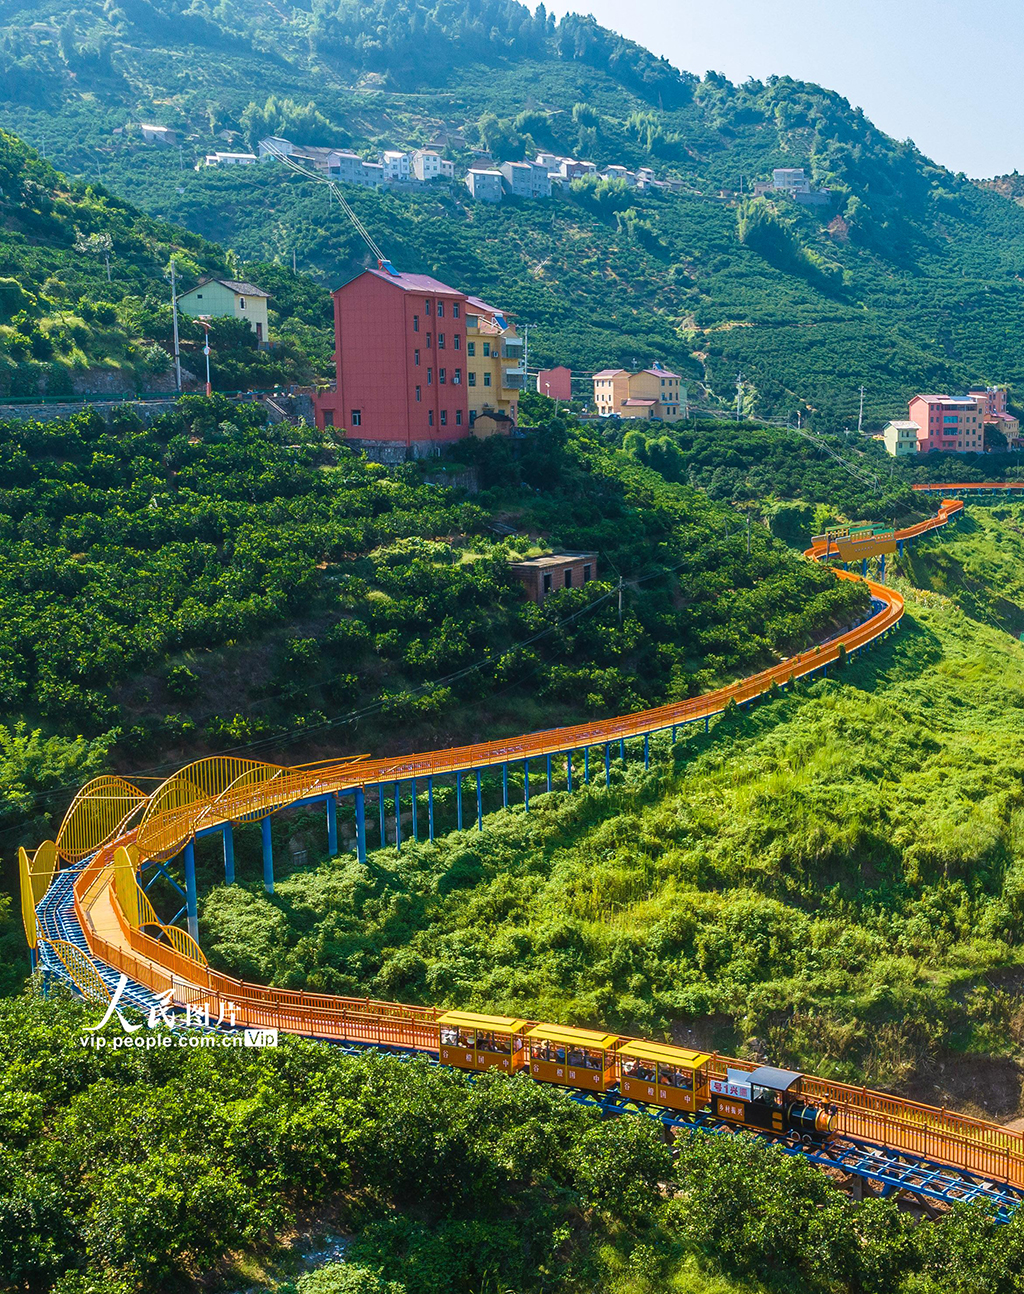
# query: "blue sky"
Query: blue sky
940,73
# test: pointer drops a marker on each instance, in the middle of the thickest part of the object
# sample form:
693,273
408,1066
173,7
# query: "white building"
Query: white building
793,182
158,134
231,159
619,173
274,147
426,165
484,184
397,165
526,179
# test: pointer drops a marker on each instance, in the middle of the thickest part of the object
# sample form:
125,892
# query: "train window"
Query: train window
673,1076
467,1038
641,1070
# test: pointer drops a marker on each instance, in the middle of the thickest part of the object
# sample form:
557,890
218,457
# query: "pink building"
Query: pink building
400,360
556,383
950,423
993,399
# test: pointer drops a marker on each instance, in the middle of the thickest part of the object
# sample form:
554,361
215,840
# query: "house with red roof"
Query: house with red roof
655,393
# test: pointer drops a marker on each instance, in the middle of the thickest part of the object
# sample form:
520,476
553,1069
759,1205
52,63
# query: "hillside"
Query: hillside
908,279
207,582
85,295
832,881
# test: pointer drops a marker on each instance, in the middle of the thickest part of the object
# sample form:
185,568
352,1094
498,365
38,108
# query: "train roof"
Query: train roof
470,1020
573,1037
776,1080
666,1054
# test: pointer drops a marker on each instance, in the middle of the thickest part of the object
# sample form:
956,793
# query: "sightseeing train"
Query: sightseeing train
765,1100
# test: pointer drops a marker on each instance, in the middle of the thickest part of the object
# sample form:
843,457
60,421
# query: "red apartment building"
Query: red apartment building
400,358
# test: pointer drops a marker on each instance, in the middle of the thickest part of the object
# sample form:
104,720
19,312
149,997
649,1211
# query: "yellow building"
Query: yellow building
653,393
495,367
218,298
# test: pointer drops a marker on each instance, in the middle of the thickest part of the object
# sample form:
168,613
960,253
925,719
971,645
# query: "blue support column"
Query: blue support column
332,825
549,772
673,734
864,568
607,764
504,786
899,547
568,772
191,906
458,800
414,823
707,723
360,803
430,807
526,785
268,856
398,817
380,807
229,854
479,803
881,573
586,765
622,750
647,750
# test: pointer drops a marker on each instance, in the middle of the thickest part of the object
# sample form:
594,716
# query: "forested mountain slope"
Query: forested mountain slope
85,294
907,279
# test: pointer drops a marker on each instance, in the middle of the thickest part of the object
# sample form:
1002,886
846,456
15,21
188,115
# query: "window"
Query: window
426,307
430,417
241,303
416,357
547,582
472,379
457,377
487,347
428,341
199,296
487,379
415,323
419,393
458,417
586,574
328,417
430,376
471,348
442,376
568,578
457,341
357,417
440,341
440,308
444,417
455,310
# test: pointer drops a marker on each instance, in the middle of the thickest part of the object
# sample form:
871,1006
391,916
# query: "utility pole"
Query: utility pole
860,416
293,260
748,534
206,351
620,600
174,316
739,396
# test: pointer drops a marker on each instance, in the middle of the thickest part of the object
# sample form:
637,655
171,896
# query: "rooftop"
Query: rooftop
556,559
609,372
241,289
408,283
661,372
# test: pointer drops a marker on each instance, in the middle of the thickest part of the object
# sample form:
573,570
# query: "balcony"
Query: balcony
513,379
512,349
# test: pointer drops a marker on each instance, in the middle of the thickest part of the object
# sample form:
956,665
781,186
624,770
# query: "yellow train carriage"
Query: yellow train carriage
674,1077
572,1057
474,1042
